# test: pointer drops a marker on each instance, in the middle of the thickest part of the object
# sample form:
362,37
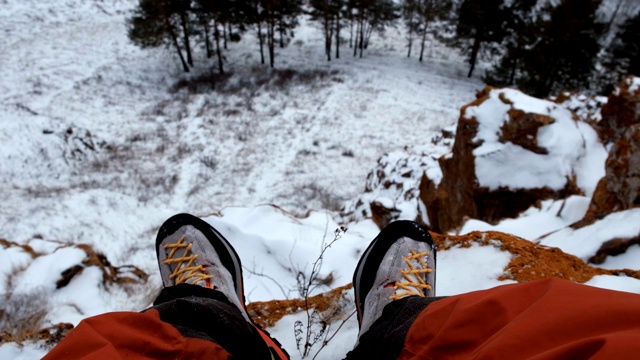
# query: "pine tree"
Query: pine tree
411,16
480,22
522,30
275,17
565,55
328,14
430,11
368,16
626,49
154,24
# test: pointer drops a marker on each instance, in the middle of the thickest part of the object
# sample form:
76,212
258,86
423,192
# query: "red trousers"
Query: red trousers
547,319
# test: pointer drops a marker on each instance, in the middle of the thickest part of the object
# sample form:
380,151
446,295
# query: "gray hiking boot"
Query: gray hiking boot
399,262
191,251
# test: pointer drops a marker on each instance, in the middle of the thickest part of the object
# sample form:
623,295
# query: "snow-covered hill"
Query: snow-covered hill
101,141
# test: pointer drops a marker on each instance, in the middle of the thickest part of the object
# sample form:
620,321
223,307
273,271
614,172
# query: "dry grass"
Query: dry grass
254,79
22,315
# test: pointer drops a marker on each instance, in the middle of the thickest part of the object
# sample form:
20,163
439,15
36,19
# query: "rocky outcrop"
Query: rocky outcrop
510,151
621,111
619,189
23,313
587,108
529,262
613,248
391,190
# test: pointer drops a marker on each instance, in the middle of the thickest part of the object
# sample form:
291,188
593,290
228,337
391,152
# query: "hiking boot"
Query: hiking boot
399,262
190,251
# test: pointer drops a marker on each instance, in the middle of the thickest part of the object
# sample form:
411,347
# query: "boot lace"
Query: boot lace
413,283
186,268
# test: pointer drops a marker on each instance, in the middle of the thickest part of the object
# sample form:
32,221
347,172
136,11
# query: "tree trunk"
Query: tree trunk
367,37
271,28
474,54
614,16
338,35
185,30
224,36
216,35
512,72
207,40
351,31
361,42
410,35
355,44
261,40
327,35
281,33
174,40
424,39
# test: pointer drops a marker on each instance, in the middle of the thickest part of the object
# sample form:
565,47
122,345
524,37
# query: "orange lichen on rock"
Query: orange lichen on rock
529,261
51,335
268,313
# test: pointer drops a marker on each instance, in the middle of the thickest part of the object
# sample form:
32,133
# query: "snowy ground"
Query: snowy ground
98,145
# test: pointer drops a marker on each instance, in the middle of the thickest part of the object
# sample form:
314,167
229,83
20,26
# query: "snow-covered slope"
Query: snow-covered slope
101,141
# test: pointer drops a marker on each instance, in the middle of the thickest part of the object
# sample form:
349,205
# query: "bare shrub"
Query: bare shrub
200,84
209,162
314,192
317,329
252,80
21,314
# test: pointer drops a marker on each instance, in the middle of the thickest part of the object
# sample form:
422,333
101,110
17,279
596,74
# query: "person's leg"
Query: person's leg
200,311
203,294
393,282
386,337
545,319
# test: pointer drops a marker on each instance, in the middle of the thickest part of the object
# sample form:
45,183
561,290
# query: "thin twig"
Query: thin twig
253,272
328,339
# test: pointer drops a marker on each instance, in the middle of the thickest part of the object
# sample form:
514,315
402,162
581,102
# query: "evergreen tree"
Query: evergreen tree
274,16
564,57
522,30
411,16
210,14
368,16
328,13
480,22
430,11
154,24
626,49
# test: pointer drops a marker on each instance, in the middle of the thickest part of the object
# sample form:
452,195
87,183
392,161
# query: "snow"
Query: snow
535,222
462,270
99,146
634,84
586,241
27,352
570,145
272,242
11,260
618,283
43,271
628,260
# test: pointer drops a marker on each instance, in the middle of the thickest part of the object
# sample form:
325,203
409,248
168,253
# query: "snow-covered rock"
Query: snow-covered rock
621,111
512,150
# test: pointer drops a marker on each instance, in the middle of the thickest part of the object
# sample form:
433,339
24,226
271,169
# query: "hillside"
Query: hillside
101,141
